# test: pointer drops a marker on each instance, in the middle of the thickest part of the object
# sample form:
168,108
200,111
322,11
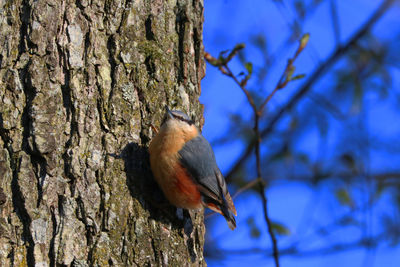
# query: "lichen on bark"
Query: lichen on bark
80,84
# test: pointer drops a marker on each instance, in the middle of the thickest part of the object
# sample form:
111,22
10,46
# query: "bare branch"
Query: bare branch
262,187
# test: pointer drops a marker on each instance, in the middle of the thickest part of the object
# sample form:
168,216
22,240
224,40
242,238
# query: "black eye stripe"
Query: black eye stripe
183,119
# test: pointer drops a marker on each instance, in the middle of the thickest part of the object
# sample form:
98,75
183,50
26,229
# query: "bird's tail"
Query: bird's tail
225,205
224,211
230,218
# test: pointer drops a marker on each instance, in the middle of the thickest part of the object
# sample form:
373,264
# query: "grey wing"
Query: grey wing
198,158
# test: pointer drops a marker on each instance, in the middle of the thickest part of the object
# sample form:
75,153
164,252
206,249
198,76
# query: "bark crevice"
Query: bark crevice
181,21
22,213
111,47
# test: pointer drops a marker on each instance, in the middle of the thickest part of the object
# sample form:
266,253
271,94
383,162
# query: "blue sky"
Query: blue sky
230,22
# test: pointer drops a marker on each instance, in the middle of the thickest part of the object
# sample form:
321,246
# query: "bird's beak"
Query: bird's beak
169,113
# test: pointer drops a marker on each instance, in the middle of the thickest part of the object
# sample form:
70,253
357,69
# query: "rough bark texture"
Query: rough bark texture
80,84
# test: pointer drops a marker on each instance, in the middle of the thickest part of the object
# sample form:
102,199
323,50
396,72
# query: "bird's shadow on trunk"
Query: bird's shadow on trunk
144,188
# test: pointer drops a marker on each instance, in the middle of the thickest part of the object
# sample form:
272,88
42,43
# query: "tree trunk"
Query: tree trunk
81,82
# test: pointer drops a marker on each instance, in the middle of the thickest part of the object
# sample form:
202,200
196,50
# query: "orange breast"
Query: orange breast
186,190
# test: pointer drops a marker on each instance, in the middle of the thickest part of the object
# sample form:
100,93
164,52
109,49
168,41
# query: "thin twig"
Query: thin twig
246,187
335,21
261,185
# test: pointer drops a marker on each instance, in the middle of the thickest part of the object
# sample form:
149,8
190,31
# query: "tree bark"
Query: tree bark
81,82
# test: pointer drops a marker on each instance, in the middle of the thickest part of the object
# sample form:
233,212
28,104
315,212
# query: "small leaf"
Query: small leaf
234,51
280,229
249,67
304,40
254,231
298,77
290,72
343,196
239,46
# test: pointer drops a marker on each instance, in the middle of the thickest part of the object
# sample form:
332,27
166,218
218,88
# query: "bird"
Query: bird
184,166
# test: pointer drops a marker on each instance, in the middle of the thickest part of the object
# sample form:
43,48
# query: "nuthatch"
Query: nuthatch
184,166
